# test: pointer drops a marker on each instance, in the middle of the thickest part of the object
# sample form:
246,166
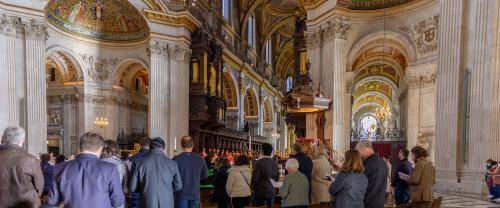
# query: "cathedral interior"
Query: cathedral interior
235,74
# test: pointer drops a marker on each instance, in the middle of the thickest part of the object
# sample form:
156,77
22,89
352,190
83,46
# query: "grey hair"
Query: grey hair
13,135
364,144
292,163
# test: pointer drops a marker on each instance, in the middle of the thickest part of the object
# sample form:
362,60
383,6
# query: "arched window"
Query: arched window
251,31
369,123
289,84
268,52
226,8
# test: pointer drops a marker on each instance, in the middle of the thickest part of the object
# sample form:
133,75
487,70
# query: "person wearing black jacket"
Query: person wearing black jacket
305,162
400,186
220,180
376,172
264,169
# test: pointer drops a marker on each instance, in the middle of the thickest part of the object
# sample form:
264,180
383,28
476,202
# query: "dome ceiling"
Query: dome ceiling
371,4
107,20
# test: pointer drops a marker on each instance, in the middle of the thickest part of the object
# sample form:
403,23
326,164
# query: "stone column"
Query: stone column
36,85
448,92
159,98
11,88
179,93
494,131
334,54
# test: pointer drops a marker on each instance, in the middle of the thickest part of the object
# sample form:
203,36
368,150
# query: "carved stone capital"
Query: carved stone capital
11,26
337,27
35,30
158,48
179,52
313,39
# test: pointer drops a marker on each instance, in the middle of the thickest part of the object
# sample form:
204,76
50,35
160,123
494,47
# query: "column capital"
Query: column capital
158,48
36,30
335,28
11,26
179,52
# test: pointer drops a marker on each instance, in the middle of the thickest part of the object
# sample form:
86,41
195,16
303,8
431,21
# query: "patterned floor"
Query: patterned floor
456,201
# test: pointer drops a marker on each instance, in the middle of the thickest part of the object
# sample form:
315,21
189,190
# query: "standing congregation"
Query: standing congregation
98,177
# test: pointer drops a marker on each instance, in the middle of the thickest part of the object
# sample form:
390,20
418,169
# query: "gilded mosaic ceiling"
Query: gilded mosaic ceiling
371,4
107,20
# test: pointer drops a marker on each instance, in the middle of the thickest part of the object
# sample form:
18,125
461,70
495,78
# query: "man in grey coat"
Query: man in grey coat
155,177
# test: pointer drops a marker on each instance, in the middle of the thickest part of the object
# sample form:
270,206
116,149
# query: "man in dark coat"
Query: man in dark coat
264,169
21,178
145,142
305,162
376,172
87,181
400,187
155,177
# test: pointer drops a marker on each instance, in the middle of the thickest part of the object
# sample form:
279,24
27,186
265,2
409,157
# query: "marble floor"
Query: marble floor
459,201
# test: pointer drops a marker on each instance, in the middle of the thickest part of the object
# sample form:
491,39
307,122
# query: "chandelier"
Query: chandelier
383,113
101,122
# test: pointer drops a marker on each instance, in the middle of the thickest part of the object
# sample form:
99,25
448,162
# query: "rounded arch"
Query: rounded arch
405,45
123,64
268,111
131,74
70,64
251,106
230,90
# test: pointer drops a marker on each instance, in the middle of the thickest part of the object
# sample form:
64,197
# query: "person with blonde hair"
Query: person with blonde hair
321,170
349,188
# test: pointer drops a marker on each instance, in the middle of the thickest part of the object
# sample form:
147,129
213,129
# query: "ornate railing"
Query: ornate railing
390,135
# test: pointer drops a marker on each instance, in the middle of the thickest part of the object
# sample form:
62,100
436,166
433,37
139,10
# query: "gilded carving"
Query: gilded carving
98,66
424,34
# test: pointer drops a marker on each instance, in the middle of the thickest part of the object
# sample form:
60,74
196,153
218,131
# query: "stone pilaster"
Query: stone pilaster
494,131
11,53
159,98
36,84
179,91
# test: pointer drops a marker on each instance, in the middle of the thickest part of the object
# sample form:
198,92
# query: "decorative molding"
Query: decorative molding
97,100
98,67
164,49
182,19
424,34
16,26
418,81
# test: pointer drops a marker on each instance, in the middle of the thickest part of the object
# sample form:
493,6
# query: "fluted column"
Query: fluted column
36,85
179,92
334,59
159,99
11,53
448,91
494,131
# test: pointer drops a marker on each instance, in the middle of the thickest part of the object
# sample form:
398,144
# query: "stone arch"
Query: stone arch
268,111
230,91
60,55
407,45
131,74
251,106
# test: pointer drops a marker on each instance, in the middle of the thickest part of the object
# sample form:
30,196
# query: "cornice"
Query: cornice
175,19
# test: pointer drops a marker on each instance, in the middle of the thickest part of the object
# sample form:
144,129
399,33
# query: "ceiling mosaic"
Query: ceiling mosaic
371,4
373,86
380,70
378,100
107,20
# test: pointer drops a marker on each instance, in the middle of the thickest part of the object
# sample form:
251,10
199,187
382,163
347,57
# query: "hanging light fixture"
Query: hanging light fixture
101,121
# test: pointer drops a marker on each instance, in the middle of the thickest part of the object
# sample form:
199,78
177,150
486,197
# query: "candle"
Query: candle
175,143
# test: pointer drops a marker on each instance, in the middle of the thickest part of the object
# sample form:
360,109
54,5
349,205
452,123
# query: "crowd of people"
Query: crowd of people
98,177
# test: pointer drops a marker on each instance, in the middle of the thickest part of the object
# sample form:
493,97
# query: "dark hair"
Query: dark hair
91,142
489,160
45,157
224,163
242,160
110,149
187,142
297,147
267,149
494,163
145,142
353,162
157,143
405,153
419,152
23,204
60,159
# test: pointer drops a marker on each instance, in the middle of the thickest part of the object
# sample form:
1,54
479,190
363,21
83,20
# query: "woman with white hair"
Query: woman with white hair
295,189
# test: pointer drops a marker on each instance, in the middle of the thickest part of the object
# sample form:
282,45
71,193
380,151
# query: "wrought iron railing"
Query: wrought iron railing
391,135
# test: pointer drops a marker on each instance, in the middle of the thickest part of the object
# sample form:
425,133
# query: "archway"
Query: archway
230,94
251,112
64,86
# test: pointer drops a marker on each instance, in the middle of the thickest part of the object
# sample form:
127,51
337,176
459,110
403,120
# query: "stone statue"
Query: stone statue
423,141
